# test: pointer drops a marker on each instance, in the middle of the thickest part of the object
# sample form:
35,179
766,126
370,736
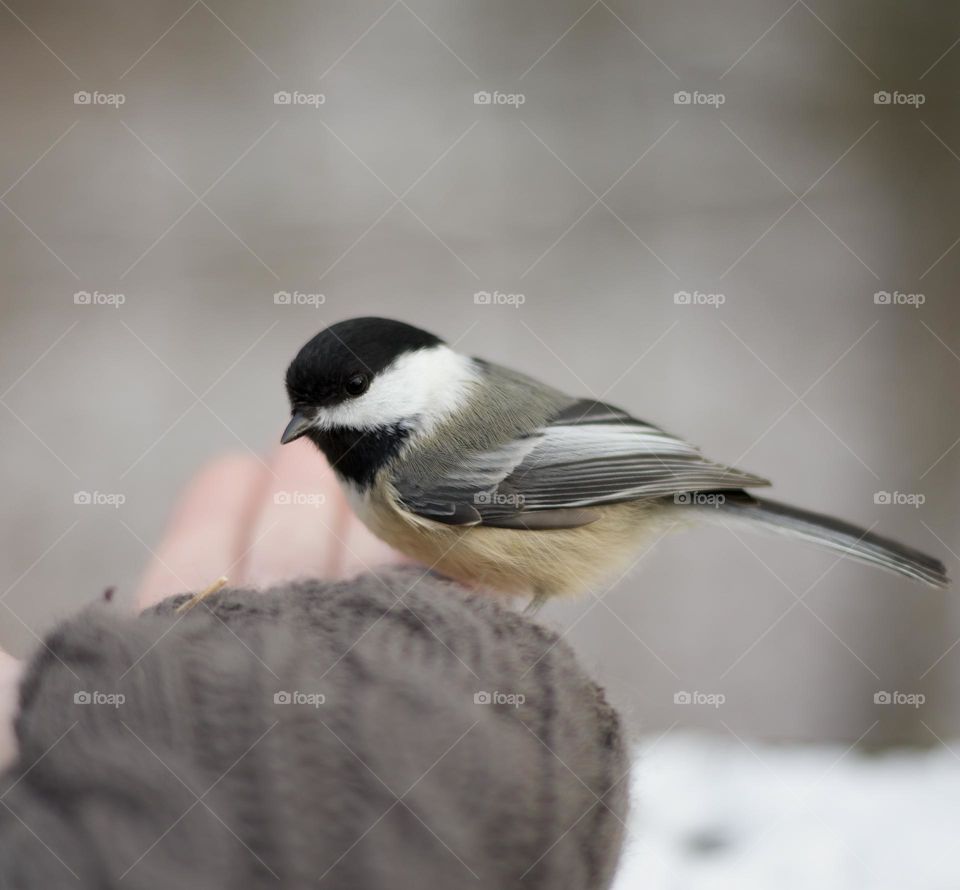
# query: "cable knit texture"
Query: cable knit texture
386,732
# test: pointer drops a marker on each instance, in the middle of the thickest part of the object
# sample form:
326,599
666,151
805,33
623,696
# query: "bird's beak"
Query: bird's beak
298,425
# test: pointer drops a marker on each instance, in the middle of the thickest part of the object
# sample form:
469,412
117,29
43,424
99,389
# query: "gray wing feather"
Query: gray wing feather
586,455
603,462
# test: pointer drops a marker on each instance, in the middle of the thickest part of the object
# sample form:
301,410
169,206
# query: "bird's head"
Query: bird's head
370,374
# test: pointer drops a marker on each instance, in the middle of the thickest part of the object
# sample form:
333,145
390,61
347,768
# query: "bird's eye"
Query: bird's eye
356,385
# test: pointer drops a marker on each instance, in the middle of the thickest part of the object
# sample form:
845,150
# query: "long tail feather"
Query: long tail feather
836,535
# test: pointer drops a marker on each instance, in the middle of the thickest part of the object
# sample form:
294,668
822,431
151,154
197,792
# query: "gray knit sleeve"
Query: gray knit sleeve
387,732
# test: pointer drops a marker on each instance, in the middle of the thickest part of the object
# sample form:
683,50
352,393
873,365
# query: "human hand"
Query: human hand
261,523
229,521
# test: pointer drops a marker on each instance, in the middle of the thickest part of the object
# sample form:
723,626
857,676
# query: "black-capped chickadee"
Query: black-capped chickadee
497,480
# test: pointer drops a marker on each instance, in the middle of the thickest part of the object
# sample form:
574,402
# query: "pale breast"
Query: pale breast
513,561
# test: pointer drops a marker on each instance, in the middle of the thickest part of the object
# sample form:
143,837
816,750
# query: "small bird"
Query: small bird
502,482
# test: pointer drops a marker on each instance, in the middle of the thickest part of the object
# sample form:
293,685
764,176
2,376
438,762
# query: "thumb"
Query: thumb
11,670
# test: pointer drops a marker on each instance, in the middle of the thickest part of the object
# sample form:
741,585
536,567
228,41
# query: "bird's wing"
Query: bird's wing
586,455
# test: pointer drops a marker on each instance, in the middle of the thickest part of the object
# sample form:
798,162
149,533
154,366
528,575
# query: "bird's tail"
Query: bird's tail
833,534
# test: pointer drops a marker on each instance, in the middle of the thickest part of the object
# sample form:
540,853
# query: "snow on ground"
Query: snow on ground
711,813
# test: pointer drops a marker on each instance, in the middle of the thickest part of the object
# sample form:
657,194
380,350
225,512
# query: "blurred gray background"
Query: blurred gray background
598,199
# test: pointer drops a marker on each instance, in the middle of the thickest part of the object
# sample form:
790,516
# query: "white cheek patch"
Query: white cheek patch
426,385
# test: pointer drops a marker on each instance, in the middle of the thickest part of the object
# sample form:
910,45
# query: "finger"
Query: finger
301,518
208,529
11,671
305,526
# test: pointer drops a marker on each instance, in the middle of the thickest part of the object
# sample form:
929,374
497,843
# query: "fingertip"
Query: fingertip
356,549
207,528
298,529
11,671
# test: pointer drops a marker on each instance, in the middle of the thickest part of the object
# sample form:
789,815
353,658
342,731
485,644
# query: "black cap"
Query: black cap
345,351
